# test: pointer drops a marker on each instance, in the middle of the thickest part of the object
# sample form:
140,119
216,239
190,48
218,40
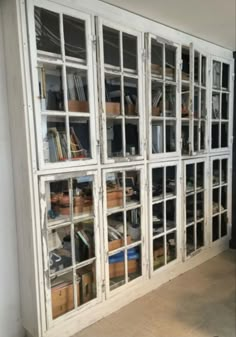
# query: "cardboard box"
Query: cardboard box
113,108
86,287
62,298
114,197
130,109
118,269
78,106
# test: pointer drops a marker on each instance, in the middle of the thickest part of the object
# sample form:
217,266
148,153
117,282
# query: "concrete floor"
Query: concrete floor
199,303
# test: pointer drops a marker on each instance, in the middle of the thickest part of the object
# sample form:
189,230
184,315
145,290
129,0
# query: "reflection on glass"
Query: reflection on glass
114,138
83,196
132,137
216,172
170,98
129,51
203,103
224,134
50,87
47,30
216,208
157,137
185,96
114,186
224,224
158,253
116,231
62,294
170,53
133,225
158,218
202,135
190,209
171,246
156,58
113,94
200,205
170,181
77,85
132,187
225,106
203,71
134,263
200,175
186,64
190,182
196,66
111,40
223,198
224,168
170,214
79,138
200,234
74,36
196,136
58,201
190,239
131,96
170,136
157,99
185,137
216,74
158,182
225,76
196,103
59,247
84,240
117,270
215,105
215,228
215,135
86,281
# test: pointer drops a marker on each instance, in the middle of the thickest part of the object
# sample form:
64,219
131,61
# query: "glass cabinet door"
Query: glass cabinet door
194,210
69,216
162,95
63,90
219,198
193,101
120,94
220,105
163,210
123,211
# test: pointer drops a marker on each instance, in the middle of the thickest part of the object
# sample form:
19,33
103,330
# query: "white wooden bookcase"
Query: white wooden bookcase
122,155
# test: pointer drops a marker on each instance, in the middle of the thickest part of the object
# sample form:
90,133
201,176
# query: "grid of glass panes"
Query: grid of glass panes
121,99
71,241
194,206
64,88
124,226
163,91
219,198
220,105
164,220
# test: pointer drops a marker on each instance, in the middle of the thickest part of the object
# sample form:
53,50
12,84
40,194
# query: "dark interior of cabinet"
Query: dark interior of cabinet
185,64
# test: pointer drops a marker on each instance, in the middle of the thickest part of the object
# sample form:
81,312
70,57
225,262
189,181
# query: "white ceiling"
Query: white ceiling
212,20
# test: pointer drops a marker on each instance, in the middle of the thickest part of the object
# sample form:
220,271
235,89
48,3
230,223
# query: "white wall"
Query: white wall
10,323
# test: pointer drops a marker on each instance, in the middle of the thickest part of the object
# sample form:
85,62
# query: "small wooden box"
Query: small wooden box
118,269
114,197
78,106
63,299
113,108
157,69
115,244
86,287
130,110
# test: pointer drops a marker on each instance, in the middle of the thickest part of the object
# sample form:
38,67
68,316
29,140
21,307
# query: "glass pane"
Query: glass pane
74,36
196,67
158,183
157,137
216,74
134,262
200,175
190,240
170,214
171,245
190,209
132,187
114,138
79,138
157,99
115,224
132,137
47,30
170,101
202,135
84,240
158,253
77,85
170,62
200,205
113,94
215,105
223,198
170,181
131,96
170,136
200,234
117,270
203,71
83,196
215,228
224,134
158,218
215,135
225,106
54,139
196,103
133,225
111,45
216,172
185,101
185,137
196,136
86,279
114,186
225,77
58,201
186,63
190,182
216,199
62,294
224,169
224,224
129,51
59,248
156,58
50,87
203,104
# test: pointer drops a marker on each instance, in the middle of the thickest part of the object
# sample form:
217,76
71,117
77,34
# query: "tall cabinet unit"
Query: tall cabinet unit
123,150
